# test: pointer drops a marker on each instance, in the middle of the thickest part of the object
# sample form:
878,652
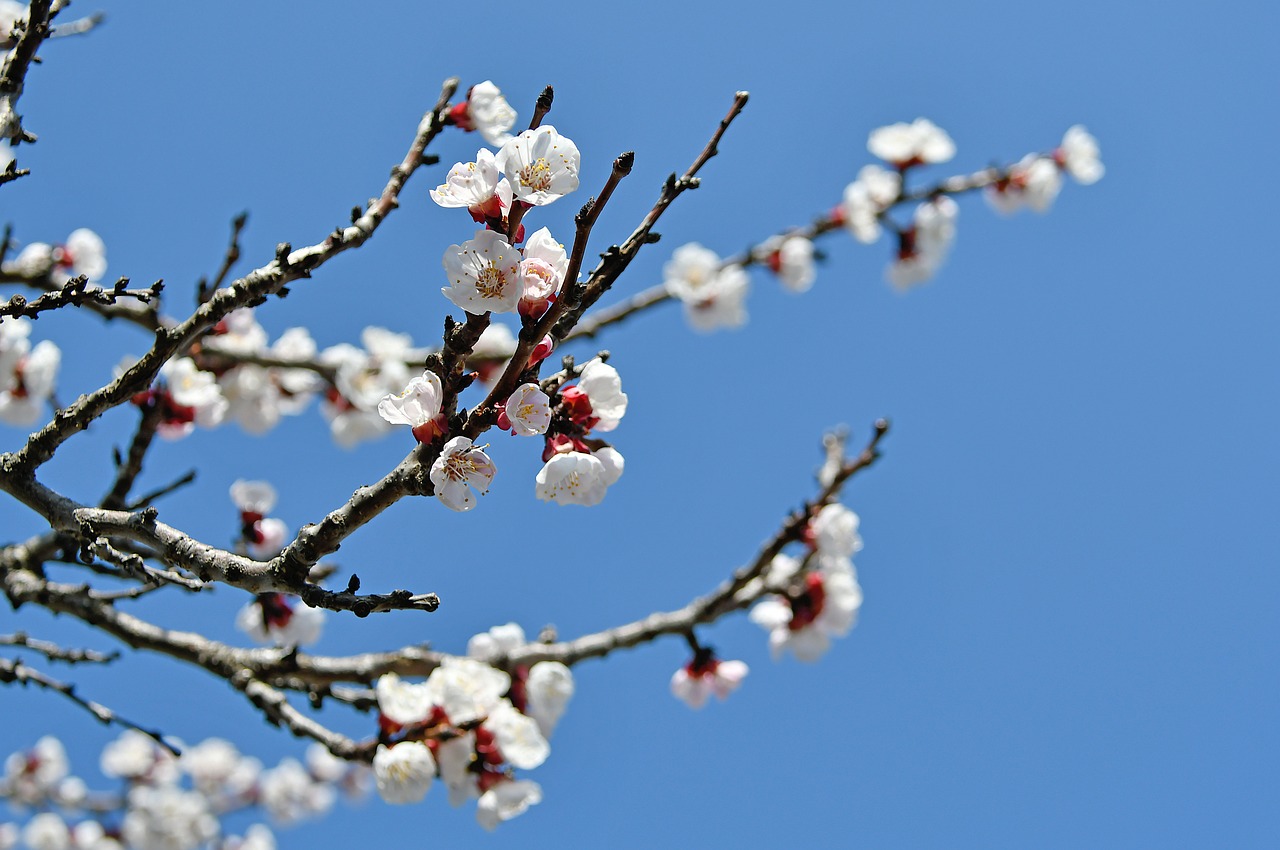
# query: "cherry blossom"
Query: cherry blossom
460,467
31,385
417,406
403,703
917,143
290,793
548,689
835,531
1034,182
466,689
825,605
924,246
506,800
164,816
487,111
404,772
706,675
363,377
274,618
542,273
527,412
579,478
479,186
136,757
866,198
484,274
1078,156
47,831
30,776
602,386
791,259
517,735
541,164
714,295
186,396
498,641
84,253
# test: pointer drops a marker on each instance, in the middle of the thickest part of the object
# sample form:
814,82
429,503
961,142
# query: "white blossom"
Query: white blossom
926,244
548,690
273,618
195,390
603,388
866,198
402,702
11,11
460,467
453,759
1078,154
30,776
542,272
362,378
528,410
256,837
713,297
47,831
289,794
902,144
541,164
826,607
84,253
479,186
255,497
835,531
466,689
484,274
33,380
404,772
791,259
498,641
417,406
166,818
518,736
489,113
210,763
1034,182
137,757
693,683
578,478
507,800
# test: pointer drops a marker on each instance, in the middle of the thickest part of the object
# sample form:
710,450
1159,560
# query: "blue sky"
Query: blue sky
1069,635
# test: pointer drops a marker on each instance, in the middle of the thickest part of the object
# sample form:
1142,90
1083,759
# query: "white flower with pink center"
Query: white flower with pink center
484,274
417,406
195,396
705,675
713,296
486,110
924,246
579,478
866,198
466,689
791,259
822,606
478,186
506,800
917,143
1034,183
404,772
541,272
498,641
517,735
256,497
403,703
460,467
528,411
1078,155
31,385
541,164
603,387
280,620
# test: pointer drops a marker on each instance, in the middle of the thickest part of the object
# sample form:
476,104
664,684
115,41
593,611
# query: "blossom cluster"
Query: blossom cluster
472,725
168,801
713,290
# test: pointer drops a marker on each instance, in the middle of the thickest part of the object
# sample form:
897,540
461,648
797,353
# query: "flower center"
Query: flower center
490,282
536,175
458,467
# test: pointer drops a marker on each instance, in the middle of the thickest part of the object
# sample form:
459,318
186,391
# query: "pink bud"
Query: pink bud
541,351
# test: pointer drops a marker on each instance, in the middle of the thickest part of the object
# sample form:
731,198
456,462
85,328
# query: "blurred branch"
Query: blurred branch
54,652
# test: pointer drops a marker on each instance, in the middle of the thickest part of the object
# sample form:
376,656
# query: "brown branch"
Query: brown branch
288,266
54,652
276,708
127,472
14,671
232,256
13,72
77,292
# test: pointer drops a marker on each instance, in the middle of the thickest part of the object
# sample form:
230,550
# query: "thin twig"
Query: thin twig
14,671
54,652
